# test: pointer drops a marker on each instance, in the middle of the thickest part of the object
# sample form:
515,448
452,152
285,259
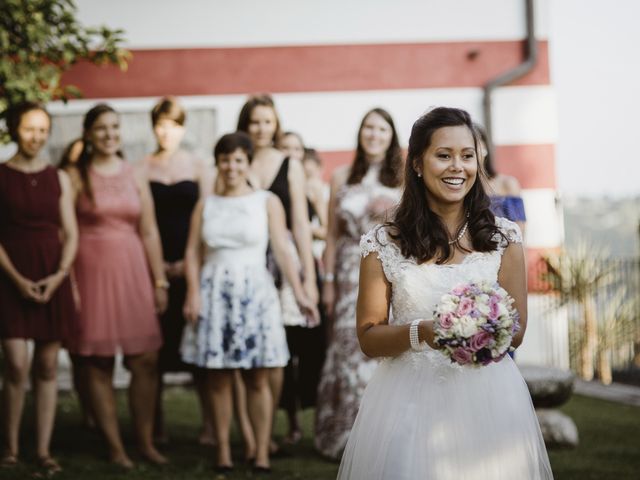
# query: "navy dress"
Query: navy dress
174,204
509,207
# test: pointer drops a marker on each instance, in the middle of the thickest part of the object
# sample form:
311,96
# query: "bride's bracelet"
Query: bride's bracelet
414,338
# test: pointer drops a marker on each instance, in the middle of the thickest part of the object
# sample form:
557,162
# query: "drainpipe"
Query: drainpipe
531,58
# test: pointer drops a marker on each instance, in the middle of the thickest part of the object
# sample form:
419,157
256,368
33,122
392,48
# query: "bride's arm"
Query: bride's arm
513,278
378,338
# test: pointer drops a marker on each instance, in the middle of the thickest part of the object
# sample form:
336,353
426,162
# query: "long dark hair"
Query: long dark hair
419,231
488,161
86,155
260,100
391,170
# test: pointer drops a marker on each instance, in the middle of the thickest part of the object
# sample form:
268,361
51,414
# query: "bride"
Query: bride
421,416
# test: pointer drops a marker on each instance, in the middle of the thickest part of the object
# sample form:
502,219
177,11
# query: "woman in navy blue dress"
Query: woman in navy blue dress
504,190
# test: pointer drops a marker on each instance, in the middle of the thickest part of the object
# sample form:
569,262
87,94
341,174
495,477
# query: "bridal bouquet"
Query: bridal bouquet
475,323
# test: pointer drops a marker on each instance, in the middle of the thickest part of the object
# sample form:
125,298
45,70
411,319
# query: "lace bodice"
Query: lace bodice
416,289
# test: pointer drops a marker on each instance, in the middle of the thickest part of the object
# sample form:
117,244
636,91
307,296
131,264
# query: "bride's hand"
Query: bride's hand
427,334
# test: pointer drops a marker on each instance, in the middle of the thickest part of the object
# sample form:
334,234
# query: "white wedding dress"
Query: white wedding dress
423,417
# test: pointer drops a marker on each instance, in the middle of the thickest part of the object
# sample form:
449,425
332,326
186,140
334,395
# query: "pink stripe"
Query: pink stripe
219,71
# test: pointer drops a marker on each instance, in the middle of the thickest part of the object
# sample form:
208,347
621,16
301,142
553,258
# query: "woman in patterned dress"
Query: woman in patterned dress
232,306
38,242
361,195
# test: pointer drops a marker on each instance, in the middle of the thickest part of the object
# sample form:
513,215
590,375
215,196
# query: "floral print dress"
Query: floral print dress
240,321
347,370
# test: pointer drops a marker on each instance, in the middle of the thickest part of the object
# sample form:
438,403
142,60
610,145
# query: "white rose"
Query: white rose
483,308
447,304
468,326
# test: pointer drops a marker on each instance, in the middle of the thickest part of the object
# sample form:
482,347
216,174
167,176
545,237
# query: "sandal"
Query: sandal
9,460
49,466
293,438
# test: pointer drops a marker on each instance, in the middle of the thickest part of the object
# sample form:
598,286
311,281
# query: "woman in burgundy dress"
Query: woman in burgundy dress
38,242
119,253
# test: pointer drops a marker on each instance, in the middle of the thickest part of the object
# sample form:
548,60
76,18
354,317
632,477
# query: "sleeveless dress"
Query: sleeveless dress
291,315
347,370
423,417
116,292
240,322
30,235
174,204
306,345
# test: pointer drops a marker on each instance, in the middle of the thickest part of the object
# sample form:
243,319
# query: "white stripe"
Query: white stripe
210,23
545,226
329,120
546,341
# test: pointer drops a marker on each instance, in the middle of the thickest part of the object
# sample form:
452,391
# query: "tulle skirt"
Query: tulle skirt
424,418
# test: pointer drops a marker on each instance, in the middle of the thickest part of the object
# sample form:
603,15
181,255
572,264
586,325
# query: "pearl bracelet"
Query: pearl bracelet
414,338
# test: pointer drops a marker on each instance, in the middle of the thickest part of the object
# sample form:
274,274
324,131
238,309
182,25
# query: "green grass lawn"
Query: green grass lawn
609,448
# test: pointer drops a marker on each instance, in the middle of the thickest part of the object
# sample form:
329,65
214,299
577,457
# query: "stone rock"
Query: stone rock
558,430
549,387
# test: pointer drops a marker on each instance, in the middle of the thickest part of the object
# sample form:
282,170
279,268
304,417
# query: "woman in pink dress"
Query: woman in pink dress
38,242
122,283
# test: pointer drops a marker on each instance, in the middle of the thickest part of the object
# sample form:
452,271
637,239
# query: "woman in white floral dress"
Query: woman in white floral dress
232,306
361,195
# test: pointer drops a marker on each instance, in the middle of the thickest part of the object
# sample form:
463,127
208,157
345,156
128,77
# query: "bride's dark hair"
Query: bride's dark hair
418,230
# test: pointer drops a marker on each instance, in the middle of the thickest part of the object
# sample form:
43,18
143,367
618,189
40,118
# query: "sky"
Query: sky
595,67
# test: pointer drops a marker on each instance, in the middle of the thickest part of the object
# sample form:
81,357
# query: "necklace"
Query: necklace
463,230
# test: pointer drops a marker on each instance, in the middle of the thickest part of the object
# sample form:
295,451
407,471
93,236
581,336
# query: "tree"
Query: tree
617,326
39,41
578,277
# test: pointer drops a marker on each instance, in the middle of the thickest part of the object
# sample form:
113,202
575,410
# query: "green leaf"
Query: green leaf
39,40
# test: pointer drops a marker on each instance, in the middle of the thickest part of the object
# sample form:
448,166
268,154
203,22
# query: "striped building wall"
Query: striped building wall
329,62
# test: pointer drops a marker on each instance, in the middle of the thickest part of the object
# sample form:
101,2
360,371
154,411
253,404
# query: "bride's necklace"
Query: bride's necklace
463,230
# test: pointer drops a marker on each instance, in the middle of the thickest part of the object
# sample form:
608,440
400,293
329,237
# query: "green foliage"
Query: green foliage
39,41
578,274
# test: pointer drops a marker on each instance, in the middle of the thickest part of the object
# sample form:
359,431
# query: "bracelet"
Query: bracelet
162,283
329,277
63,271
414,338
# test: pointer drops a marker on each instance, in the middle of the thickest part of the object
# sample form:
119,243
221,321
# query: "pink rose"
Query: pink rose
459,290
494,309
479,340
461,356
446,321
465,306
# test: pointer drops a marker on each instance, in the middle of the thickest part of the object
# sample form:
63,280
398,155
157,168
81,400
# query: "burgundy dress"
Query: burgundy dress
30,234
117,311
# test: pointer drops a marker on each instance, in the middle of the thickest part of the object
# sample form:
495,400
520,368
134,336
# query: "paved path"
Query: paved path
616,392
